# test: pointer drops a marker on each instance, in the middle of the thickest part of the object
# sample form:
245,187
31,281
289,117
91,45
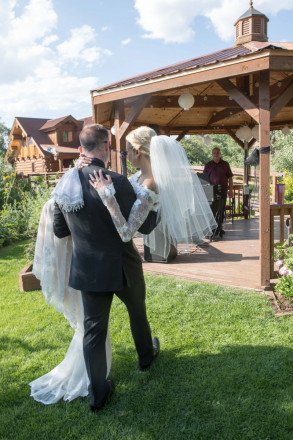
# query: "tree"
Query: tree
282,152
4,138
199,154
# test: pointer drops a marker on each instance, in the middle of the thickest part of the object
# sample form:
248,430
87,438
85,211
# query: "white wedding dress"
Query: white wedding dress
69,379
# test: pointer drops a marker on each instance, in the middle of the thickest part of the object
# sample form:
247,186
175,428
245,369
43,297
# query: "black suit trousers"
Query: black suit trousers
97,307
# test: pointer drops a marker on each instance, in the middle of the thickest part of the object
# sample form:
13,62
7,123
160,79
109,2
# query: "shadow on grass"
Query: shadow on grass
14,251
236,393
19,344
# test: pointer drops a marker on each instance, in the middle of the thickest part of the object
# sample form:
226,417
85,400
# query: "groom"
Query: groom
102,265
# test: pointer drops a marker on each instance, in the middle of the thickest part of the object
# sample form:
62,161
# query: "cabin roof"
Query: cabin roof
33,127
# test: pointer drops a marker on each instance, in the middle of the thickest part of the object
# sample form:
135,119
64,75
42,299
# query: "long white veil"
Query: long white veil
69,379
184,211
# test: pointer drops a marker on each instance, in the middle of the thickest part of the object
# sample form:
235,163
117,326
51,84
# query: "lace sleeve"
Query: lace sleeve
139,211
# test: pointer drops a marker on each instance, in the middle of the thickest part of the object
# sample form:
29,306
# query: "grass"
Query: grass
225,370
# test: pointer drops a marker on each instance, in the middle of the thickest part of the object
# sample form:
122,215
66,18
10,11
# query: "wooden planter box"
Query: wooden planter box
27,280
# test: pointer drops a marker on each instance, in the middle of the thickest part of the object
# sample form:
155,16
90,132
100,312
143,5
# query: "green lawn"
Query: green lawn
225,370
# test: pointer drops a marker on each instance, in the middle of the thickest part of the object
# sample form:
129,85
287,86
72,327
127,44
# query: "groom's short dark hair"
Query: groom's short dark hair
93,137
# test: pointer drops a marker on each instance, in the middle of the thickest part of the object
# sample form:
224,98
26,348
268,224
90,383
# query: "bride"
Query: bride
165,184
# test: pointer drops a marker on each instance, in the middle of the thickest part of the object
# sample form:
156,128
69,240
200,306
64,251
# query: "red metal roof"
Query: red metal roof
214,57
87,121
32,127
52,123
220,56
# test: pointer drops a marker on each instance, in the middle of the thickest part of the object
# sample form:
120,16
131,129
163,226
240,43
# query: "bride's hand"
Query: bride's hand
98,182
83,161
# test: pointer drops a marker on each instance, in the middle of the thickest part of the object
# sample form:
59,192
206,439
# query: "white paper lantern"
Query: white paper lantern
247,135
239,133
244,133
113,131
286,130
255,132
186,100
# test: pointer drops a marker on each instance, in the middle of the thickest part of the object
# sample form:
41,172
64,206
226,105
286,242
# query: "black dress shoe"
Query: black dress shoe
156,351
110,390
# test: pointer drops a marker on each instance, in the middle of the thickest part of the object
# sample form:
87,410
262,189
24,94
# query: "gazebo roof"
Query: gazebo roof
224,84
250,13
214,57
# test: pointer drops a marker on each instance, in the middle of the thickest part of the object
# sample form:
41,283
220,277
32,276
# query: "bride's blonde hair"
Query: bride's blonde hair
140,139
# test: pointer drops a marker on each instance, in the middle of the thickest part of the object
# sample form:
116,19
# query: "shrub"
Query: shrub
12,189
288,180
284,260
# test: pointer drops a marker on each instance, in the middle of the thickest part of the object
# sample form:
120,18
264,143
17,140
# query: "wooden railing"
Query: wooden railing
50,178
238,179
285,215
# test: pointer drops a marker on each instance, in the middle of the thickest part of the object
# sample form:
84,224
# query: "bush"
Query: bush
284,260
20,206
288,180
12,189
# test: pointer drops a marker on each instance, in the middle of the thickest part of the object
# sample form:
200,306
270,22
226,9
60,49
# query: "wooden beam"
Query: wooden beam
207,101
282,100
181,135
209,73
264,179
241,99
119,116
133,114
169,124
281,62
251,143
234,137
223,114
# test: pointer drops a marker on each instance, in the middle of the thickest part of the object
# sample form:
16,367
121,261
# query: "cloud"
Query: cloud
37,75
105,28
173,20
75,48
125,42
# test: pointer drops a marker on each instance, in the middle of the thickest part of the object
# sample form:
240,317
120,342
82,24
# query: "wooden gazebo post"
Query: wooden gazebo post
264,178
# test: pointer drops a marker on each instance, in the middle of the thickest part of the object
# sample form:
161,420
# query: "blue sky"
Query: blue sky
54,51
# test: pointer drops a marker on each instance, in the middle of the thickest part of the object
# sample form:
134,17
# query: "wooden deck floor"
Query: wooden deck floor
233,261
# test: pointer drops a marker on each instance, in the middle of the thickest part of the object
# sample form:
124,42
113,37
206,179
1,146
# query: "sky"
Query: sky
53,52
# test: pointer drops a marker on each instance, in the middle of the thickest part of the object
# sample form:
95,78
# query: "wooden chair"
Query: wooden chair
230,209
234,206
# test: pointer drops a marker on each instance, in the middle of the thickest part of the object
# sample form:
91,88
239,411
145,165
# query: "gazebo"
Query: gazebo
248,84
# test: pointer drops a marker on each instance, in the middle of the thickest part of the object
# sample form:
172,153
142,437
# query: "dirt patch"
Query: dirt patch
281,305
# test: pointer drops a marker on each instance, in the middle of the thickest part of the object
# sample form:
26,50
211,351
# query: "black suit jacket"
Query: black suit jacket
99,256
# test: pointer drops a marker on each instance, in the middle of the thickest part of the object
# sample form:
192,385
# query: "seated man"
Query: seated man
220,174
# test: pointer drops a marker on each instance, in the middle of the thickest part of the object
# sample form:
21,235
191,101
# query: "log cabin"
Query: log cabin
44,145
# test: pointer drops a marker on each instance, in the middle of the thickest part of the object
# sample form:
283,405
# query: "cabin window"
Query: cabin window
67,163
31,142
24,142
67,136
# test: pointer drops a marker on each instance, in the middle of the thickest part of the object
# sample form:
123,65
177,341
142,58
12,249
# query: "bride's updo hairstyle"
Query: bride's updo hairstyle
140,139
